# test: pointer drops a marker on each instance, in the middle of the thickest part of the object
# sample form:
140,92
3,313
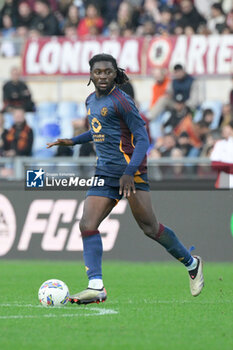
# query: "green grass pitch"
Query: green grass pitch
149,306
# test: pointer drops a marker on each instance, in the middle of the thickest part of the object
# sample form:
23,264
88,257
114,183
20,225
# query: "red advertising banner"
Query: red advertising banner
60,56
201,55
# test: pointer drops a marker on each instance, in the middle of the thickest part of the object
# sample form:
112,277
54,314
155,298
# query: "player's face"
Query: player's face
103,75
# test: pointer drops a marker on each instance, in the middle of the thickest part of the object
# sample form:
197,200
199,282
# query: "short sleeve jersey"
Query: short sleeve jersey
113,120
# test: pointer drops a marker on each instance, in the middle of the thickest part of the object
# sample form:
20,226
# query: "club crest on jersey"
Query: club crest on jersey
96,125
104,111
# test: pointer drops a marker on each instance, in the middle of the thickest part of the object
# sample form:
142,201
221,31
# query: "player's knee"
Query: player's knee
151,230
87,225
83,226
149,234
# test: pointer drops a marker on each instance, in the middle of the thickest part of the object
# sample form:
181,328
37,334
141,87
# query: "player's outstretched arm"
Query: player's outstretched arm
83,138
60,142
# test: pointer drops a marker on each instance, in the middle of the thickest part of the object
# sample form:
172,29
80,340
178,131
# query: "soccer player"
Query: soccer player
121,144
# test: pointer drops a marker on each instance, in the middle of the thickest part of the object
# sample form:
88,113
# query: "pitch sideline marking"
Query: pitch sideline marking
80,313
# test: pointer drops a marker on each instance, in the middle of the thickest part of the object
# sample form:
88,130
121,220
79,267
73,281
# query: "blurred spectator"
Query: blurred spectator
16,93
19,138
147,29
222,158
225,30
8,29
182,86
229,21
208,116
188,31
127,32
211,138
160,87
203,30
185,84
2,131
10,9
25,15
34,34
177,170
113,30
166,24
161,100
51,3
190,16
7,48
165,144
227,115
154,171
70,31
183,143
217,19
154,153
73,16
63,6
231,95
126,17
110,10
196,132
176,114
178,30
45,21
92,23
21,32
150,12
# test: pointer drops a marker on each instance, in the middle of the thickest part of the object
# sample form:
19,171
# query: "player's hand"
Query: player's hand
127,185
60,142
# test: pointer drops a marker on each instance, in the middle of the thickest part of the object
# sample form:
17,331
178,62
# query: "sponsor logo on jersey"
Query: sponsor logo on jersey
96,125
104,111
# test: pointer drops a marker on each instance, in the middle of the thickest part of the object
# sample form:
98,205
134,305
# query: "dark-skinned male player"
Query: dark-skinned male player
121,143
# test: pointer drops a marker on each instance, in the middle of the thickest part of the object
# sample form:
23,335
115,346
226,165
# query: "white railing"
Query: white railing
18,164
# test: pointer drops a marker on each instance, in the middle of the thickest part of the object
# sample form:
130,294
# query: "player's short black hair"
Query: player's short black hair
121,77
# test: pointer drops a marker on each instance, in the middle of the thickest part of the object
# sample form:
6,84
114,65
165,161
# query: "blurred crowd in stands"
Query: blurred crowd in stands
179,122
82,18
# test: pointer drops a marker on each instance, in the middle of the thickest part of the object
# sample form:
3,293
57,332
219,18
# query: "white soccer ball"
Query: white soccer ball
53,293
